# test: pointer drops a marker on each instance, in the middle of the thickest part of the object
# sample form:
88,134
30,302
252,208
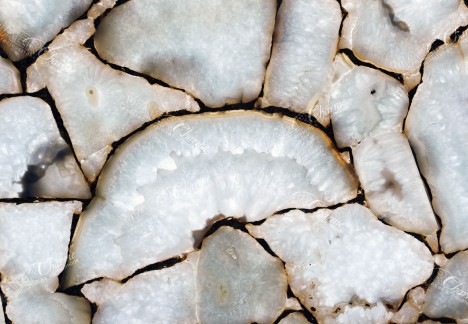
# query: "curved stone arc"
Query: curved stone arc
167,184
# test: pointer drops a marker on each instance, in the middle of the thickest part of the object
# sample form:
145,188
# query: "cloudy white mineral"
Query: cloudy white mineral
213,49
98,105
302,54
231,280
35,161
238,281
10,81
397,34
447,295
367,108
436,128
26,26
341,256
165,185
160,296
34,244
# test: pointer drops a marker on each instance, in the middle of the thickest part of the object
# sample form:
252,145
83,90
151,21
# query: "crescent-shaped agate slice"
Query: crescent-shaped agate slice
164,187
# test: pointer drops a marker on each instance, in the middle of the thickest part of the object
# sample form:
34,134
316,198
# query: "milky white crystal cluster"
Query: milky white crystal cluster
341,256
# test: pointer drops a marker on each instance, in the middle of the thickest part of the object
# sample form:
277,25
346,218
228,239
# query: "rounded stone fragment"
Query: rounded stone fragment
214,49
169,183
341,256
238,281
436,128
34,159
302,54
10,80
447,296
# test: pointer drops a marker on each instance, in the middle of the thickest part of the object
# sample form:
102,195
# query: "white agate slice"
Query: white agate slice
50,308
447,296
367,108
215,50
294,318
394,189
98,105
34,244
164,186
436,128
26,26
334,257
159,296
238,281
34,159
362,102
10,81
397,34
305,42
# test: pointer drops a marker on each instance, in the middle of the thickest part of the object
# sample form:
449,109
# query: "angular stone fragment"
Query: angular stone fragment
238,281
294,318
34,244
160,296
335,257
410,311
447,295
167,184
394,189
34,159
98,105
362,102
26,26
10,81
436,128
305,42
215,50
367,108
396,35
